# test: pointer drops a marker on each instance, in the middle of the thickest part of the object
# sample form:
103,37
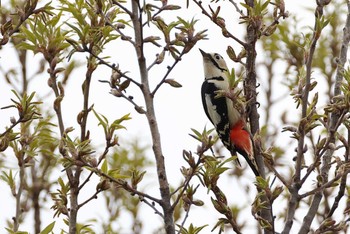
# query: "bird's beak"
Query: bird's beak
205,55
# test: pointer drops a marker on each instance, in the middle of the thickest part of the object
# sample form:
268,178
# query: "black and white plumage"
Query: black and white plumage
220,110
228,122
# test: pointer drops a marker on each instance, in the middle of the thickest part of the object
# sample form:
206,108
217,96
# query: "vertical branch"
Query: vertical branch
292,206
75,182
136,18
36,189
251,95
326,160
22,54
17,217
86,91
59,94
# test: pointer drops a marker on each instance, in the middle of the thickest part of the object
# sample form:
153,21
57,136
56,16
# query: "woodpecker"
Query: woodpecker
227,120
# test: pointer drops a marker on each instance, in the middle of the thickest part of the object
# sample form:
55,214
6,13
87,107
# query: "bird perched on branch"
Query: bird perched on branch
228,121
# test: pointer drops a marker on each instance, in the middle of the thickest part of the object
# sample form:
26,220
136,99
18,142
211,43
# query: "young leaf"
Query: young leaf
48,228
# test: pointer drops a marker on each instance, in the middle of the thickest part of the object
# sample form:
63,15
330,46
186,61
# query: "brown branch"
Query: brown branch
94,196
237,8
323,186
343,180
250,86
321,153
184,220
98,163
301,140
123,184
22,17
122,7
217,21
187,181
19,211
334,119
170,68
112,66
278,175
152,121
142,199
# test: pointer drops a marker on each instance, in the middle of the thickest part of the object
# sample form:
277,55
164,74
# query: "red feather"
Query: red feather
240,138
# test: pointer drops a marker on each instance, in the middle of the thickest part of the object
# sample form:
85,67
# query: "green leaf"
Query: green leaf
104,167
48,228
173,83
116,175
102,120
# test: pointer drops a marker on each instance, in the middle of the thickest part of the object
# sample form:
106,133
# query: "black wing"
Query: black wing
216,111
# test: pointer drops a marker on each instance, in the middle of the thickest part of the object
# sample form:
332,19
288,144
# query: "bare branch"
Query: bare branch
217,21
170,68
142,199
335,116
152,121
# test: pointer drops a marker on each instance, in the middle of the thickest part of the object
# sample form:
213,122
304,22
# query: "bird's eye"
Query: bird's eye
217,56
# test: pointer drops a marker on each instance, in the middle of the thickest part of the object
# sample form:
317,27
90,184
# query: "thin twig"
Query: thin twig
292,206
123,8
102,61
342,186
189,178
94,196
19,211
237,8
334,119
184,220
98,163
323,186
170,68
156,211
124,37
278,175
11,127
125,185
223,27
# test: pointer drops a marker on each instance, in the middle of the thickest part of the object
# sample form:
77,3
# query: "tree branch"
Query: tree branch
152,121
250,85
219,23
342,186
332,121
301,132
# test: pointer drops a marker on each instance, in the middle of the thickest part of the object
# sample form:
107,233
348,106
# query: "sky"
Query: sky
178,110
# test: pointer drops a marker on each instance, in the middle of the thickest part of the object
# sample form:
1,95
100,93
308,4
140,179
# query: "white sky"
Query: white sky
178,110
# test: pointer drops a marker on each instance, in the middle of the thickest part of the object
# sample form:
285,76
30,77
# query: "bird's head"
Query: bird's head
214,65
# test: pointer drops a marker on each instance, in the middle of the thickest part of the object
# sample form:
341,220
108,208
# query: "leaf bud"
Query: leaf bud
116,92
12,120
4,143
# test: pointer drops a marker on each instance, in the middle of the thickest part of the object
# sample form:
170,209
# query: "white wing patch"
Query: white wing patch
214,115
233,114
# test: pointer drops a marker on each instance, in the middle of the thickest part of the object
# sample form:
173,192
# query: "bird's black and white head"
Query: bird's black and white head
214,65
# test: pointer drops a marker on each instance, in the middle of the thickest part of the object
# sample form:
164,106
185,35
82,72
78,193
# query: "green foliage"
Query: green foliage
45,36
60,198
93,24
191,229
48,229
10,180
17,232
259,9
27,109
27,112
57,33
109,129
131,161
204,137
